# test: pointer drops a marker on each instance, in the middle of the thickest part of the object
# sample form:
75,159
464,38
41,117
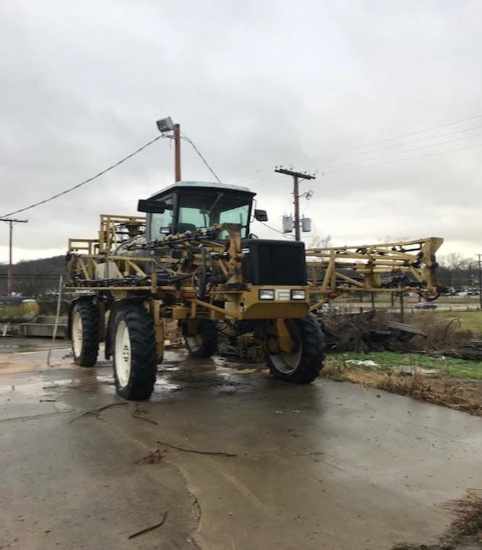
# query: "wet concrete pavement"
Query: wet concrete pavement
259,464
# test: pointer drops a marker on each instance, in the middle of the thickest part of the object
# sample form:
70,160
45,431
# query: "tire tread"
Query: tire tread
90,333
312,356
143,353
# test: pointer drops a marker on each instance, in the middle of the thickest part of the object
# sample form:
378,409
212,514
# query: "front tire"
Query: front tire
135,361
303,365
205,342
85,333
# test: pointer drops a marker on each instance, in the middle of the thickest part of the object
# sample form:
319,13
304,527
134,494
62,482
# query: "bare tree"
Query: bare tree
455,261
318,241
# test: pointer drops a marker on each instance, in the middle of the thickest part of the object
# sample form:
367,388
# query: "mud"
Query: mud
243,461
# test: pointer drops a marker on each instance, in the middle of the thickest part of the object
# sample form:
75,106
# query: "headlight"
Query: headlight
266,294
298,295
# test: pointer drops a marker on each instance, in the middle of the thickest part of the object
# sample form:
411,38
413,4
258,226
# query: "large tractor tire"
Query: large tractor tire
85,333
135,361
304,363
205,342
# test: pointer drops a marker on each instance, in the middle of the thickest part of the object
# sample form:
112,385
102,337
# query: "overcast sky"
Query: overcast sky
317,86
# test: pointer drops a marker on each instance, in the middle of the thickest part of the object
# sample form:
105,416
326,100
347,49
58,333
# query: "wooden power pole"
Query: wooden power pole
177,152
296,195
10,263
479,256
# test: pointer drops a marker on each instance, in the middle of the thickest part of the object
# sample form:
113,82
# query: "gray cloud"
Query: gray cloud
254,85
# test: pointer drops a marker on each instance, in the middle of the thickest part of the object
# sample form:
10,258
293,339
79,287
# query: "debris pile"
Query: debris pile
470,350
364,332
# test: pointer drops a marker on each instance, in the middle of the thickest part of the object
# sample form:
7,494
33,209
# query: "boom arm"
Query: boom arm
388,267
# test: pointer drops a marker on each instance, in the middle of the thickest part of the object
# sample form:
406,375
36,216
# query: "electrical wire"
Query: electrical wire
254,174
201,156
395,138
403,159
355,164
406,144
401,152
87,180
339,168
277,231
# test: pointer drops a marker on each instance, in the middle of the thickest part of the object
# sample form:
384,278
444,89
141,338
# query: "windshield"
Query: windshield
204,208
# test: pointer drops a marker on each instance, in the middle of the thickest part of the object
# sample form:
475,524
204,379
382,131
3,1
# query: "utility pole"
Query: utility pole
177,152
165,125
479,256
296,194
10,264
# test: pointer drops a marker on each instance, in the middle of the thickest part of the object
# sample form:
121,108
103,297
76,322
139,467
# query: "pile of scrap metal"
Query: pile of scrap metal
471,350
370,331
361,332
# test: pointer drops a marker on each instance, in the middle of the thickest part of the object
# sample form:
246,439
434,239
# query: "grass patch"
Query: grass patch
464,320
389,361
423,378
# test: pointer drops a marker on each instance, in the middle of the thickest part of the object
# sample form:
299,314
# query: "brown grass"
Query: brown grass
442,333
468,515
465,531
448,392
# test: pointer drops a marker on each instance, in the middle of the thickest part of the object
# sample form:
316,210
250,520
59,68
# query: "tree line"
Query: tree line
36,278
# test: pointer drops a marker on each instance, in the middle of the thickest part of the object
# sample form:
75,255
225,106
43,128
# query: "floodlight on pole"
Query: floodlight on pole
165,125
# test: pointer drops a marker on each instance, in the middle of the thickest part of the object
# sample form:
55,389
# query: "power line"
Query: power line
397,137
355,164
201,156
327,169
312,159
401,152
403,145
277,231
408,158
87,180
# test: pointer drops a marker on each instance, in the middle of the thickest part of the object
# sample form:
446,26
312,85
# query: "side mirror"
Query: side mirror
152,206
261,215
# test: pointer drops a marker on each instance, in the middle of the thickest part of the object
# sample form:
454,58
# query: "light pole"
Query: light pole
166,125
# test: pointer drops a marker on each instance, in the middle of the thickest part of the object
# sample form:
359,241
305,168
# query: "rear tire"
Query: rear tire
303,365
135,361
205,342
85,333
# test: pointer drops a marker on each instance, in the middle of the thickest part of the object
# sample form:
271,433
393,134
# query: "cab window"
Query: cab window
162,220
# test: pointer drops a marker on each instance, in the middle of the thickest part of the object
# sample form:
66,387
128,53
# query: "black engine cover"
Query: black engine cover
272,262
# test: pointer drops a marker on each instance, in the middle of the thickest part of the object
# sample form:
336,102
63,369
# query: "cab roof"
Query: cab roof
204,185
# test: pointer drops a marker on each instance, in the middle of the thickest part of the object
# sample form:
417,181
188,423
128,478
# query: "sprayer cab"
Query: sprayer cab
187,206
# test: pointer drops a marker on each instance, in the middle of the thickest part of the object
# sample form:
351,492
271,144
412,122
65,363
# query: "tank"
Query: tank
18,309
